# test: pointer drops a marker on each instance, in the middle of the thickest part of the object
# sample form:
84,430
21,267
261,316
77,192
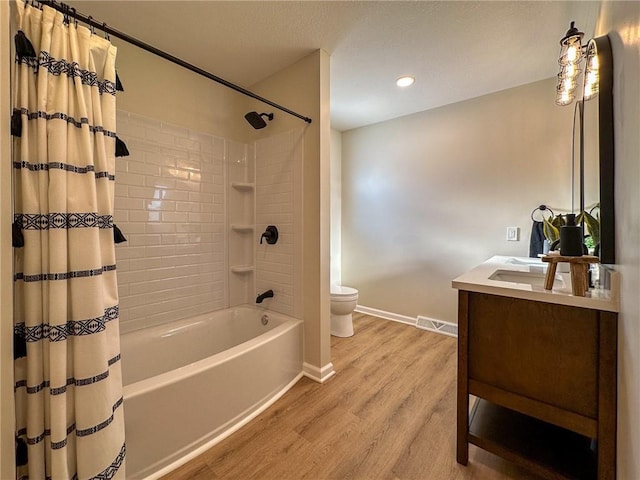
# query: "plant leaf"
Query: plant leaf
551,232
558,221
593,226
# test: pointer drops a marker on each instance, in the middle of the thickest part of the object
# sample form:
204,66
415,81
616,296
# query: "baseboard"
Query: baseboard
316,374
396,317
421,322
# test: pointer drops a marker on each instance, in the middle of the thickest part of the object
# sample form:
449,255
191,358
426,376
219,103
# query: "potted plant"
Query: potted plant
551,229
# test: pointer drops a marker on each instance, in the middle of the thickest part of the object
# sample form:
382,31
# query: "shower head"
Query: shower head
256,121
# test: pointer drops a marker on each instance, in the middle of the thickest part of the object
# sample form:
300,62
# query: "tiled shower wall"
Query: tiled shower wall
170,204
279,202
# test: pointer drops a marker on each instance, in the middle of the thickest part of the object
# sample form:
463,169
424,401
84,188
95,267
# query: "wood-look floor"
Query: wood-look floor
388,413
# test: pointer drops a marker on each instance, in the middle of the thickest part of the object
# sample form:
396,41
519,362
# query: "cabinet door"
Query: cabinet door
542,351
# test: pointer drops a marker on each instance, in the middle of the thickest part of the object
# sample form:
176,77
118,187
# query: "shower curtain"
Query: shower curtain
68,392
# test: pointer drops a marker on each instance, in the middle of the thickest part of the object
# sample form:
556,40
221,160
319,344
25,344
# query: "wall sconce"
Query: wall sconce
572,53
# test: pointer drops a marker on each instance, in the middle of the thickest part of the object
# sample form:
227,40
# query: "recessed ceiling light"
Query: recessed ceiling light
405,81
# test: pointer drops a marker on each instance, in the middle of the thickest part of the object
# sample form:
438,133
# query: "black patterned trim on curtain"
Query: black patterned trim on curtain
36,167
37,221
71,382
70,69
63,116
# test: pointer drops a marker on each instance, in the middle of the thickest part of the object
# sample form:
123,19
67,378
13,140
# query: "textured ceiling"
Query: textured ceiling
455,49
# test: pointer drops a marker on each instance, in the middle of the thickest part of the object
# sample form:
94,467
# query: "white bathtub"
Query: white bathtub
191,383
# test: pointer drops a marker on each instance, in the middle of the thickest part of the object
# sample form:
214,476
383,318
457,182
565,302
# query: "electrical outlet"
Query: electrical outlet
513,234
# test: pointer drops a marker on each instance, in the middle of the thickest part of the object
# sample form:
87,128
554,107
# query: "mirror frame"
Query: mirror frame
606,150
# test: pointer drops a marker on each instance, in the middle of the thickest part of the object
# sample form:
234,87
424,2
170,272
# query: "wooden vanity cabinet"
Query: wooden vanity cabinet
544,376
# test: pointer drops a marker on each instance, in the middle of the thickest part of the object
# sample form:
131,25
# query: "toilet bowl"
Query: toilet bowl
343,302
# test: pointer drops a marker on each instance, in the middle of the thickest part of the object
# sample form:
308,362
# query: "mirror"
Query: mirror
593,142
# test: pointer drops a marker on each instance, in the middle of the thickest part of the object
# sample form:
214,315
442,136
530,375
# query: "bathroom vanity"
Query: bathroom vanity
540,369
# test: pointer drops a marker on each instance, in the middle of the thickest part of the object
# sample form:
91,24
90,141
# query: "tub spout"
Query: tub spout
262,296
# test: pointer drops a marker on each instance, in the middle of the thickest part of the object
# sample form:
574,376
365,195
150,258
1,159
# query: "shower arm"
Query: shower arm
71,12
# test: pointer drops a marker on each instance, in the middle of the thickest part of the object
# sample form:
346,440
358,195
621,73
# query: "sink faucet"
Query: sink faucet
262,296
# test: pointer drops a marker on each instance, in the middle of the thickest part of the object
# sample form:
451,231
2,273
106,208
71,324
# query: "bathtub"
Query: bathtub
191,383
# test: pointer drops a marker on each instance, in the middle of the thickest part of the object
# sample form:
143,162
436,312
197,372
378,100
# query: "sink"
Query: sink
527,278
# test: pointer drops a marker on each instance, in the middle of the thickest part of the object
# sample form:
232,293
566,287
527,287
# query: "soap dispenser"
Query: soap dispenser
571,238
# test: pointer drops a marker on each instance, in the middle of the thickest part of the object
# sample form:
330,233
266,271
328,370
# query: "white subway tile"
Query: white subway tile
160,137
160,227
151,262
132,129
161,205
121,190
200,217
160,182
124,251
218,150
161,250
131,227
145,121
136,146
188,164
177,195
188,227
158,158
173,217
199,158
188,143
188,185
130,179
136,240
175,173
174,130
143,168
140,192
188,207
200,197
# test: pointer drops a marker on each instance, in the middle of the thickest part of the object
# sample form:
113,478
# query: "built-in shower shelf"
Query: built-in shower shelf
242,269
242,228
243,186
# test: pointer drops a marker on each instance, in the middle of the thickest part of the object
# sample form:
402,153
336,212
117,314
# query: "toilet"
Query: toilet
343,303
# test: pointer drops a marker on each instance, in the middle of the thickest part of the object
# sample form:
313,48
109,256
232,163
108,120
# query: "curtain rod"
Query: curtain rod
71,12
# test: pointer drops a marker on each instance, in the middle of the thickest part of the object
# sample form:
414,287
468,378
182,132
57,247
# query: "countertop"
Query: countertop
507,271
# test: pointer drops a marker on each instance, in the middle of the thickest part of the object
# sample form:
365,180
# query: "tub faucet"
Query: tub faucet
262,296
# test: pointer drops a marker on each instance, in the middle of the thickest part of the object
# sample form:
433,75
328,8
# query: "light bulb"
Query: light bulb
568,84
588,90
564,97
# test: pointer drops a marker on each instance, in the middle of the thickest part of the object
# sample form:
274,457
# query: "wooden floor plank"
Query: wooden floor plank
388,413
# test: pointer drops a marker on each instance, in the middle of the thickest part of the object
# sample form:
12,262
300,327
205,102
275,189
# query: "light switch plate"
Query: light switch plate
513,234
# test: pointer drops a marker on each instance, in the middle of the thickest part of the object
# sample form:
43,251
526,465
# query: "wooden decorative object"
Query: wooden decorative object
579,269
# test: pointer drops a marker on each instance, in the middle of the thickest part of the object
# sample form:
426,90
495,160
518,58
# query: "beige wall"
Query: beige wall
427,196
157,88
621,21
7,448
336,206
304,88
